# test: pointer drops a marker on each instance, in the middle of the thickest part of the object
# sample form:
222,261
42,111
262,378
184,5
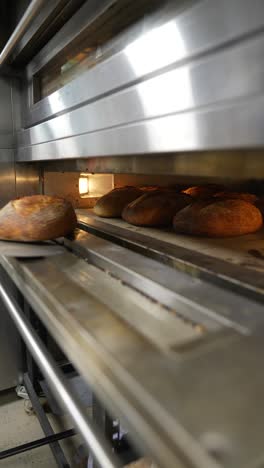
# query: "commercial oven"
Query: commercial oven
166,329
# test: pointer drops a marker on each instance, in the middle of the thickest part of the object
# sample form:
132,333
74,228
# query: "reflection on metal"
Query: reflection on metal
152,51
186,36
226,262
29,15
189,296
185,408
28,180
232,165
162,91
175,133
57,382
108,352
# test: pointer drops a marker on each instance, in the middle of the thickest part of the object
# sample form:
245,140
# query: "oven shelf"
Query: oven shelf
237,263
170,398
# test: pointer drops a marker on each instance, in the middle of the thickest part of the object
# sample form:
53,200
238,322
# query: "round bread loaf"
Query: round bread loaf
155,208
225,218
36,218
248,197
203,191
112,203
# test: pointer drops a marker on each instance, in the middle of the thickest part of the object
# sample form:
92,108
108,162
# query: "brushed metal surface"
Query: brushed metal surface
185,81
28,180
31,12
228,263
10,352
69,31
29,250
237,125
197,408
191,297
193,86
59,384
233,165
147,48
6,120
50,18
108,353
10,343
7,170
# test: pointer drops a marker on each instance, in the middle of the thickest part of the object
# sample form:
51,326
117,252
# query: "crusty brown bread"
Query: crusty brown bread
248,197
225,218
203,191
156,208
36,218
112,203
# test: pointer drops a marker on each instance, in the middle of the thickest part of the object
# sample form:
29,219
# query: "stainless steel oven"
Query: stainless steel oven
166,329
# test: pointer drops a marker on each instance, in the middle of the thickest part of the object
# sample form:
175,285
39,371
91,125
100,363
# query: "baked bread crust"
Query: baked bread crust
248,197
112,203
203,191
36,218
156,208
225,218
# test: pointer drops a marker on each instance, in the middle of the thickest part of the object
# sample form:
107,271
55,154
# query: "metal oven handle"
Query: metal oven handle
57,382
29,15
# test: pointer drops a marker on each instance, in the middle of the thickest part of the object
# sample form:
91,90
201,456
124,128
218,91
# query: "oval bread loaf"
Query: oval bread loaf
156,208
112,203
203,191
225,218
248,197
36,218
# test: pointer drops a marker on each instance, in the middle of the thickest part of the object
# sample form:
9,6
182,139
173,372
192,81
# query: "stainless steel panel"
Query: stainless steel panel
10,343
7,172
190,87
228,262
108,352
87,13
28,180
59,384
6,120
191,297
51,17
10,352
32,10
204,26
197,408
237,125
234,165
7,177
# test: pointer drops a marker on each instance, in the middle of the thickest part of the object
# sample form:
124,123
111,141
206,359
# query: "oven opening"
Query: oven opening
234,257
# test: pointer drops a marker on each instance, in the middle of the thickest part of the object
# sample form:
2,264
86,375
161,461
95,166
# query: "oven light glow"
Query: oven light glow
83,185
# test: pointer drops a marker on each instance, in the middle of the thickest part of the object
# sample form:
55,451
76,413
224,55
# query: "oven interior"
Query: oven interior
166,329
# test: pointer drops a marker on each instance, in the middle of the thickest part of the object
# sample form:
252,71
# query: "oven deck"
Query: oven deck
174,356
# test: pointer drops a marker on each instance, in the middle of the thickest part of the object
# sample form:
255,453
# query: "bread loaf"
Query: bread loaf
36,218
112,203
223,218
155,208
203,191
248,197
